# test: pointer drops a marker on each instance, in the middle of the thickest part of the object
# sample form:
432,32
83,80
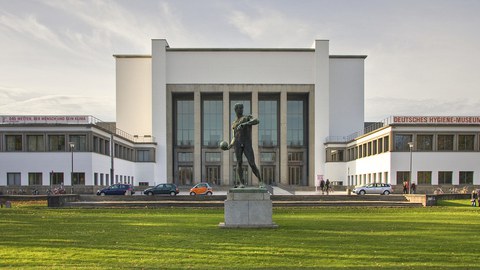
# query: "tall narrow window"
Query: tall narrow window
212,122
295,123
268,127
185,125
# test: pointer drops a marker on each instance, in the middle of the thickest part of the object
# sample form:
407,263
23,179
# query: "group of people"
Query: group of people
325,186
413,188
475,197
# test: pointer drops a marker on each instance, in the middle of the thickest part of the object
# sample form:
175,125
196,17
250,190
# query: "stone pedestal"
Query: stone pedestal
248,208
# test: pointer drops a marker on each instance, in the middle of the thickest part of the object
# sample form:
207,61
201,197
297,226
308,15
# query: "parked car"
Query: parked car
171,189
201,189
117,189
375,188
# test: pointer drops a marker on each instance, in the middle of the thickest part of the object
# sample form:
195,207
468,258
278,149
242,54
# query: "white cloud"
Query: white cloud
31,102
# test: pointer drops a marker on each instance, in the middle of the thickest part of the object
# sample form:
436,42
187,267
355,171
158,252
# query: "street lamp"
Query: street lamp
410,144
72,146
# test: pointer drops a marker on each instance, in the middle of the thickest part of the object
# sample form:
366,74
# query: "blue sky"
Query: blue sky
423,55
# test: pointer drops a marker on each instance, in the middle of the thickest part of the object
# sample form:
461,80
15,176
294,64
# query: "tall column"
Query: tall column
283,138
197,148
159,108
256,152
226,136
322,107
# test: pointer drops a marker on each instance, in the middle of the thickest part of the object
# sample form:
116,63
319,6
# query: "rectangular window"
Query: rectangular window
380,145
80,142
143,184
401,142
445,142
295,156
185,157
144,155
34,179
466,142
445,178
56,178
465,178
78,178
402,176
424,178
13,179
386,144
295,123
13,143
35,143
268,127
267,157
213,157
95,179
185,123
425,142
56,143
212,122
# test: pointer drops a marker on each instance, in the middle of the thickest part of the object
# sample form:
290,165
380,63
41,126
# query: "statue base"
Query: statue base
248,208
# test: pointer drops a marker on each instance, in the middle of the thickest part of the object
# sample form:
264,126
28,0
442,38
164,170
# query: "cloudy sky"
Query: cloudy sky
423,55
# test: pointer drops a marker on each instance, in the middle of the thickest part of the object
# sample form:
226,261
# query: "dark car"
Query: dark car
171,189
117,189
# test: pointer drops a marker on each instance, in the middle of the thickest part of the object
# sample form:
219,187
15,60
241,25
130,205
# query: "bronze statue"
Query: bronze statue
242,141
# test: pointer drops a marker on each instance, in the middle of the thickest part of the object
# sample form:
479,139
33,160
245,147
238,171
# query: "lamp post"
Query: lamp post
410,144
72,146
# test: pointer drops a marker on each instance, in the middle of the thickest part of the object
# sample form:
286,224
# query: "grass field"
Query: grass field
34,236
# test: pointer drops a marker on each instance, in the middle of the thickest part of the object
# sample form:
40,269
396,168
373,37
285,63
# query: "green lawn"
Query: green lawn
182,238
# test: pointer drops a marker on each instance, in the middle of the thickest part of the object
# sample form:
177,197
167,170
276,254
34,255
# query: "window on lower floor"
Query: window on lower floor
34,179
56,178
78,178
424,178
143,184
466,178
402,176
445,178
13,179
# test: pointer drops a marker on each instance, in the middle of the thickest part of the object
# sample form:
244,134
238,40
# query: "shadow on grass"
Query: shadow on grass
456,203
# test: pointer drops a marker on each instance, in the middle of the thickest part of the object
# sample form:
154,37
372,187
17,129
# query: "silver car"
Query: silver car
375,188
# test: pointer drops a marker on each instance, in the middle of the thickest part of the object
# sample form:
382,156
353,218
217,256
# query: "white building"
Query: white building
435,150
178,105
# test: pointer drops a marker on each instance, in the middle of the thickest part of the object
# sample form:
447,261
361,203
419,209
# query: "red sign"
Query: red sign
436,120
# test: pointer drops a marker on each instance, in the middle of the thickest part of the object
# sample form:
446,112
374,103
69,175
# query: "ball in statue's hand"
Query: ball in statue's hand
223,145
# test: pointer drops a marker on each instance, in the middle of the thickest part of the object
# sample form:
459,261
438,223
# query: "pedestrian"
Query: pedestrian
413,188
327,186
478,197
322,186
474,198
405,186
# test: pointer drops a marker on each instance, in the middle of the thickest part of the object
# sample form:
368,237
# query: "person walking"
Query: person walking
413,188
322,186
474,197
327,186
405,186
